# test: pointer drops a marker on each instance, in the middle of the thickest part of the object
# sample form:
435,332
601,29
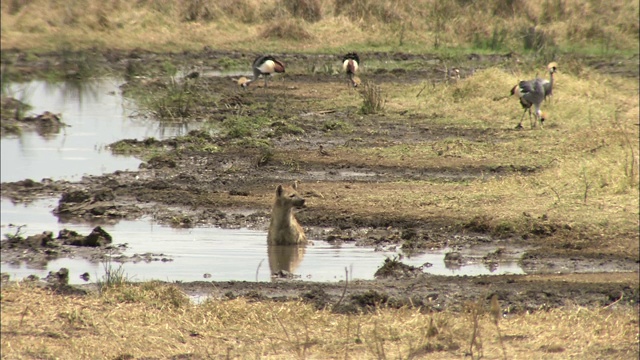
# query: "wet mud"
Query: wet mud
218,180
517,293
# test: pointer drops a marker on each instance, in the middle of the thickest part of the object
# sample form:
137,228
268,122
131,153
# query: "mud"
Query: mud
517,293
220,180
14,121
40,248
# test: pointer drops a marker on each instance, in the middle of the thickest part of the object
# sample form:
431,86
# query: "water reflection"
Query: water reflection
96,115
77,91
47,124
225,254
285,257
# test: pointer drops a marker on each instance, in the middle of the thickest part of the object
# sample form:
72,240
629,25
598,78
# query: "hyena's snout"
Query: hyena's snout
298,202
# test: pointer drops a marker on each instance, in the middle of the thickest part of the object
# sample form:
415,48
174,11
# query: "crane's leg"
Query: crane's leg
522,118
532,120
537,115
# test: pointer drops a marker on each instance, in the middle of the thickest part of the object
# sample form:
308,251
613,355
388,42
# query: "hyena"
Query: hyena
284,228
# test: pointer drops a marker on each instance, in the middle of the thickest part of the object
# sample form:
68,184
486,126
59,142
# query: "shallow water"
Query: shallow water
224,254
97,115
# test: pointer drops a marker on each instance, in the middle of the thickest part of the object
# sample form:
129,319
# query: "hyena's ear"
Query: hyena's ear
279,190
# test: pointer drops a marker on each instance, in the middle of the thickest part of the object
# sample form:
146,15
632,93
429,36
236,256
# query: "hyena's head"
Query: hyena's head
288,197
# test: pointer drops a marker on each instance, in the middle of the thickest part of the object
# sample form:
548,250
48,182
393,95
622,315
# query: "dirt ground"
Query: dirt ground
207,180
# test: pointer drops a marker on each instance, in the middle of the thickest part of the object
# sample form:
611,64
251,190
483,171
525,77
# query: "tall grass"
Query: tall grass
158,321
172,100
421,24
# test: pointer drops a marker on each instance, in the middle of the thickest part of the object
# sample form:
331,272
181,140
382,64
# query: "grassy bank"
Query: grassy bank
314,26
158,321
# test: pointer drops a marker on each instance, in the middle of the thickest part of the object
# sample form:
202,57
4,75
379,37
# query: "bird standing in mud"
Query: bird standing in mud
525,90
323,151
350,64
264,65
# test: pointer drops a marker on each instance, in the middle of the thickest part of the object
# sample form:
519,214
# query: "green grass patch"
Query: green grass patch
336,125
238,127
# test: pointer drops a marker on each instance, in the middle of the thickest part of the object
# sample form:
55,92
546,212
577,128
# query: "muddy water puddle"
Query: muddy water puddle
221,254
95,114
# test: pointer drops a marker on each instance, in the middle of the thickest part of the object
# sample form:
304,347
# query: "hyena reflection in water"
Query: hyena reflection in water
286,239
285,259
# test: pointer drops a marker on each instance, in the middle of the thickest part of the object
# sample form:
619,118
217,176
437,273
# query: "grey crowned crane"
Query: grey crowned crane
528,88
548,85
350,64
264,65
530,93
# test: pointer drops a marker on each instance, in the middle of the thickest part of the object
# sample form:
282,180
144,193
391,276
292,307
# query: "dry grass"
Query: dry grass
372,98
157,321
498,25
584,184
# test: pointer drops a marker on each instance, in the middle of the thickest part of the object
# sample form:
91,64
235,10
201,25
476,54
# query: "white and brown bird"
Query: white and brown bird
453,74
264,65
350,64
527,94
241,81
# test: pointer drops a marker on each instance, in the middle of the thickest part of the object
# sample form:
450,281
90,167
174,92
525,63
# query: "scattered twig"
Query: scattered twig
295,346
495,314
615,302
473,315
421,90
18,232
286,333
258,269
552,161
346,283
24,313
587,184
555,192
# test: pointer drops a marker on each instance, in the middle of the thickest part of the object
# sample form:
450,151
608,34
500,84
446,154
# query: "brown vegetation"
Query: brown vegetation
158,321
158,24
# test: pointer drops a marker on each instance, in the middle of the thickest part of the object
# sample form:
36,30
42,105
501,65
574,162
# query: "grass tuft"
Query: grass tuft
113,277
372,99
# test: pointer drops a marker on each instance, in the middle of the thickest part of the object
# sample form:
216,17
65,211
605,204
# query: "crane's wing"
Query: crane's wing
525,86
